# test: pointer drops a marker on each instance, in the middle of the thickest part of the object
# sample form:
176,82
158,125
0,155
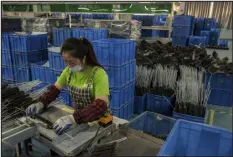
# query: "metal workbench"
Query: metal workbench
72,142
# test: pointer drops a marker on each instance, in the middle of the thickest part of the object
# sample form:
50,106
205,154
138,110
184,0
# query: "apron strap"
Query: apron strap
69,78
92,77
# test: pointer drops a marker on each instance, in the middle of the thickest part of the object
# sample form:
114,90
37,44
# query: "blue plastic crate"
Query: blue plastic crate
159,104
60,35
147,20
180,41
90,34
125,111
182,31
122,95
119,76
188,117
155,33
153,123
218,81
22,74
196,139
223,43
198,26
43,73
7,72
220,97
118,98
163,34
4,81
183,21
214,36
197,40
56,61
114,51
56,74
28,42
23,59
87,16
139,104
209,23
6,42
207,35
6,58
116,76
147,33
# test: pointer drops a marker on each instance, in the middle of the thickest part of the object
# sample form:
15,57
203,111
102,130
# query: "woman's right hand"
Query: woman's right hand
34,109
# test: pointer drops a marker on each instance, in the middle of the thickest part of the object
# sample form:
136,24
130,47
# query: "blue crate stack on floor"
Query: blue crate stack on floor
61,34
91,34
118,58
197,40
7,68
183,27
23,49
198,26
220,86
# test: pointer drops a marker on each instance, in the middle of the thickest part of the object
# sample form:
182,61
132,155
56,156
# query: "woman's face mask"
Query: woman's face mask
75,65
77,68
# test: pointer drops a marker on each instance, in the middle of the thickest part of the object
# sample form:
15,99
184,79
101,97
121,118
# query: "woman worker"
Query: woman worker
87,84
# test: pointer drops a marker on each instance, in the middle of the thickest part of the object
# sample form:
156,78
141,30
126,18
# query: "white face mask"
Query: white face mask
76,68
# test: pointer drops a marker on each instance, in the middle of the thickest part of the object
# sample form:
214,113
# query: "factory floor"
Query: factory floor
136,144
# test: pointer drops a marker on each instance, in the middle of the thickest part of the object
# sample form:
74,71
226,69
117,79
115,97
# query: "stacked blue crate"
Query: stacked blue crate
42,71
118,58
197,40
209,23
207,35
220,86
223,43
91,34
7,69
183,27
214,36
198,26
24,49
60,35
87,16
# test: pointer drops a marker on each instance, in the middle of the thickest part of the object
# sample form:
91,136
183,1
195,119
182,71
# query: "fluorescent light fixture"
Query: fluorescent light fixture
83,8
146,8
130,5
101,10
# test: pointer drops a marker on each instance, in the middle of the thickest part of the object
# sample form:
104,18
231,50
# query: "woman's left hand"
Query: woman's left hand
63,124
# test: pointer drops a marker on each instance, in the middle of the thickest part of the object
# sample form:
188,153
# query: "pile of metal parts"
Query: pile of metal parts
108,149
16,98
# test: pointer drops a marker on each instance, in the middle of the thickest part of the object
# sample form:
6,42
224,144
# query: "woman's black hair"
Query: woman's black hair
80,47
